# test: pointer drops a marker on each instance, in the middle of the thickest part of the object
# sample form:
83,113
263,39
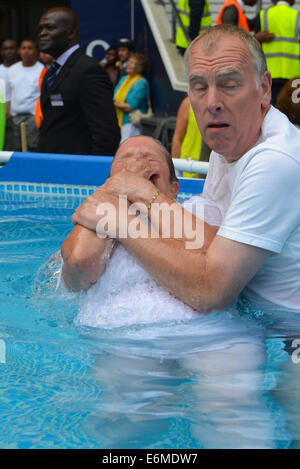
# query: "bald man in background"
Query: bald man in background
76,96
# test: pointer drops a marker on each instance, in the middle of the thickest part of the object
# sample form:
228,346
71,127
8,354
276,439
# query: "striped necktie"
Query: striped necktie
51,75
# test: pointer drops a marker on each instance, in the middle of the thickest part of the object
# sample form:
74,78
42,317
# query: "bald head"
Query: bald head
142,153
58,30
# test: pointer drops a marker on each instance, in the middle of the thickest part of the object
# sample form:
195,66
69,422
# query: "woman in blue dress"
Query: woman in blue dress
131,93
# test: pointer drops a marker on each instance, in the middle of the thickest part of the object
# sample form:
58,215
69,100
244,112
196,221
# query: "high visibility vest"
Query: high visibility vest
242,19
38,111
184,13
192,142
283,53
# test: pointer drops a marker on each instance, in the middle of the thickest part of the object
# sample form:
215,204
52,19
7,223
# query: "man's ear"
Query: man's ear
265,85
174,189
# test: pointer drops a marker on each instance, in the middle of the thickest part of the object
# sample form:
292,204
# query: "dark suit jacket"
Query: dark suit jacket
78,112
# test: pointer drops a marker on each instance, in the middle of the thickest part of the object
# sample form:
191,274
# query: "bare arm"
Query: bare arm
125,107
180,129
85,256
207,277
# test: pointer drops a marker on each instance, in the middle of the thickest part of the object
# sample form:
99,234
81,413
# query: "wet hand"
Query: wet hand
99,209
135,185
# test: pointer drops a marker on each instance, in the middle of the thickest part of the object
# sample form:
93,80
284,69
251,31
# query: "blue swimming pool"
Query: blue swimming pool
226,380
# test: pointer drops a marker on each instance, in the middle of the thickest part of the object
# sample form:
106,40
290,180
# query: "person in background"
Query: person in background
196,17
233,12
109,64
125,47
282,54
131,93
22,93
187,141
9,56
47,60
77,94
288,100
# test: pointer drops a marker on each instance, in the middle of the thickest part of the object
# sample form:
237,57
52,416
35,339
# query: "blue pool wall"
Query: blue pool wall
70,169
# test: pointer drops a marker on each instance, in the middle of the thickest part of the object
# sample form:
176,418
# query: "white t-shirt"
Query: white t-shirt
22,87
259,199
3,72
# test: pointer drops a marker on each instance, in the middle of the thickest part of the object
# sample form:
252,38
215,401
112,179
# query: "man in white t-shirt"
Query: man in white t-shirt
253,180
22,93
9,56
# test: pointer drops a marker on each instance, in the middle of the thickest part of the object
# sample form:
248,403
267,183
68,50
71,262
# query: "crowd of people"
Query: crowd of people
113,109
276,28
119,92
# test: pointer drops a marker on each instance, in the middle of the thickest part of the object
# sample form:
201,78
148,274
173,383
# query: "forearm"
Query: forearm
171,220
175,254
85,256
180,271
176,146
125,107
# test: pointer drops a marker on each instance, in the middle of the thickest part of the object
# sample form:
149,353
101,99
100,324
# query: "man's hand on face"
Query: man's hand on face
96,207
106,214
133,181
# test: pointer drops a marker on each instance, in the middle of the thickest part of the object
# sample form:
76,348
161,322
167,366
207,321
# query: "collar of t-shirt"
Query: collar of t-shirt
281,2
61,60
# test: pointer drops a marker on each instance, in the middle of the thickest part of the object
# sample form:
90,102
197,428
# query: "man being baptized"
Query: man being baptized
119,291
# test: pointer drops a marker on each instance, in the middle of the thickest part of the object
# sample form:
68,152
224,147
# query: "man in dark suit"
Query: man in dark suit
76,96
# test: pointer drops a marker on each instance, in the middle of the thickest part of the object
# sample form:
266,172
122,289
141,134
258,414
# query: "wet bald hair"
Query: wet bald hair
70,18
214,34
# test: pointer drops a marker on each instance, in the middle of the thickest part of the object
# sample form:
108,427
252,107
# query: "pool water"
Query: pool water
225,380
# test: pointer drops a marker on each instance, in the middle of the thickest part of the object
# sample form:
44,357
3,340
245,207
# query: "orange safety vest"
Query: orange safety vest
242,19
38,111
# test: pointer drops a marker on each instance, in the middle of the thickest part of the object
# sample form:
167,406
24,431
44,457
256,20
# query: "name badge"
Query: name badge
56,100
